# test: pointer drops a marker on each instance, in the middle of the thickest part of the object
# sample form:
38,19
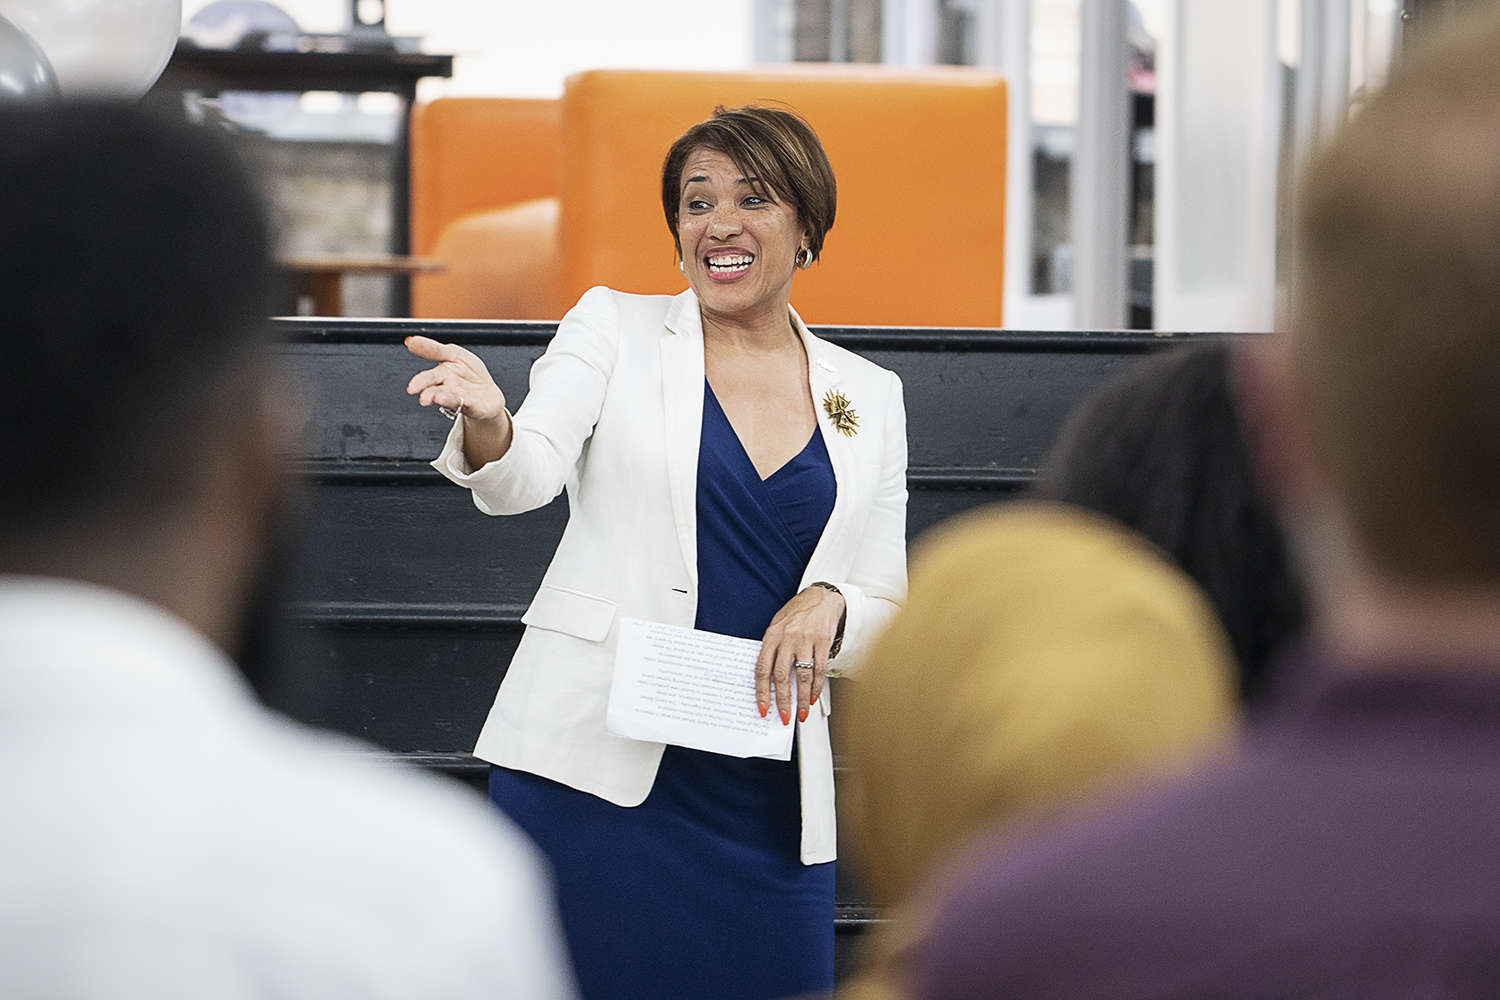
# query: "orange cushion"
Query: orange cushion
919,156
502,264
469,154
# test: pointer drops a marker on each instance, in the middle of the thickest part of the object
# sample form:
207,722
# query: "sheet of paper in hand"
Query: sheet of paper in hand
691,689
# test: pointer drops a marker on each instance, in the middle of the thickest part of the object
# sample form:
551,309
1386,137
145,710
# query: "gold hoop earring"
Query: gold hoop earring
804,259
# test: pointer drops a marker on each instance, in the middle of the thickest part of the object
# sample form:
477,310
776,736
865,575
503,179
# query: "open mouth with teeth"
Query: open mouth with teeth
728,265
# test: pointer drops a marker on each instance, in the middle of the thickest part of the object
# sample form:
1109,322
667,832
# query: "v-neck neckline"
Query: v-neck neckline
708,391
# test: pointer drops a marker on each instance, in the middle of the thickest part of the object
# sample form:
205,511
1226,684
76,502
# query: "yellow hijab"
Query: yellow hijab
1043,654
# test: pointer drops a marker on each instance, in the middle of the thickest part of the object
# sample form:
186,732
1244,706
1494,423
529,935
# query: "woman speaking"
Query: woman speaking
726,470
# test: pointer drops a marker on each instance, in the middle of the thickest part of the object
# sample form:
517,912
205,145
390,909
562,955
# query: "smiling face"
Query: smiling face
739,247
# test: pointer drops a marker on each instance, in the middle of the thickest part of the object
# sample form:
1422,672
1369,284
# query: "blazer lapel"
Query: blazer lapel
682,405
824,378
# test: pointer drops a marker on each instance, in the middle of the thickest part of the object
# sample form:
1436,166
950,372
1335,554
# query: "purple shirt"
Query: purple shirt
1350,849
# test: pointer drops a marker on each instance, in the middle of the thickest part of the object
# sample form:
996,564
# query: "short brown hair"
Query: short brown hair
777,149
1396,311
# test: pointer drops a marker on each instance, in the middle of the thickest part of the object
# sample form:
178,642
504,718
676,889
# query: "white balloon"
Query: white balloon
101,47
24,71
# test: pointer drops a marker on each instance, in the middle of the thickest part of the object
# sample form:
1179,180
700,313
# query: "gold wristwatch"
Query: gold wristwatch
838,640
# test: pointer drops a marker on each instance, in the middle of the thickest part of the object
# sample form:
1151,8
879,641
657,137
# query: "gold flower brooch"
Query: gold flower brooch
845,420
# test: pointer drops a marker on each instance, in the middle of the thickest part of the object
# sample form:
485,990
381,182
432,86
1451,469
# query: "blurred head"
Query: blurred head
749,196
1045,657
1396,312
135,274
1159,448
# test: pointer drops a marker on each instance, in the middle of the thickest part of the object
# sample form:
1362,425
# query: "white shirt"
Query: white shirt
163,836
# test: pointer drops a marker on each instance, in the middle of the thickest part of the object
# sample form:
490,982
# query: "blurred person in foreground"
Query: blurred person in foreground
1047,660
1159,448
164,835
1349,848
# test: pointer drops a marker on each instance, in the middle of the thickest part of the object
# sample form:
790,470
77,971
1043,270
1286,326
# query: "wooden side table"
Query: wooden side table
321,276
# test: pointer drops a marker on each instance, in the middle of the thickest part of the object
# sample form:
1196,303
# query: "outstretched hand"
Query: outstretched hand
462,383
803,630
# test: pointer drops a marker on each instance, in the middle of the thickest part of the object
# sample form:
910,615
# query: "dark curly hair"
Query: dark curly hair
1159,449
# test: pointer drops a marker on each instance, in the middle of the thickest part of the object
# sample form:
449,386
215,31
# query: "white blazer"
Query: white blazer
614,415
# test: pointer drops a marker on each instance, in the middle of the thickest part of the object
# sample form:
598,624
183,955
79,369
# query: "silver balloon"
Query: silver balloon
106,47
25,73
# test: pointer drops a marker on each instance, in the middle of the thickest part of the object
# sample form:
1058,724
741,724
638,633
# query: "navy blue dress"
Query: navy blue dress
699,892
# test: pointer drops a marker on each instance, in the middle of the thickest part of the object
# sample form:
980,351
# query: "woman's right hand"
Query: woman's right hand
461,382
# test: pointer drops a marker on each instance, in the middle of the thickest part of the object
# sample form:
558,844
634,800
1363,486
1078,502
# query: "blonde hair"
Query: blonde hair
1396,309
1043,654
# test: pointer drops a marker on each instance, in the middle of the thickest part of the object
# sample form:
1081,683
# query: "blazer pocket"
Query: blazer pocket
569,612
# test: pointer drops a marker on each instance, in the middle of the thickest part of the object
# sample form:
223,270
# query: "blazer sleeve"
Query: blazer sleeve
877,578
568,384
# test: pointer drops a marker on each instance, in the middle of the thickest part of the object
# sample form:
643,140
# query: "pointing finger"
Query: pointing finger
426,347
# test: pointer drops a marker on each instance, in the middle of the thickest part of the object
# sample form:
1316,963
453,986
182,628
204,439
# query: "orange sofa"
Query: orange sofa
484,176
920,161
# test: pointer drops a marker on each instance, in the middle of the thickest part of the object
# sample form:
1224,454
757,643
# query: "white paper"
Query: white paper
691,689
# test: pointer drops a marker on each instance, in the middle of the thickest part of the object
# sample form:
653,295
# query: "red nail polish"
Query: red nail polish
786,717
802,715
762,709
